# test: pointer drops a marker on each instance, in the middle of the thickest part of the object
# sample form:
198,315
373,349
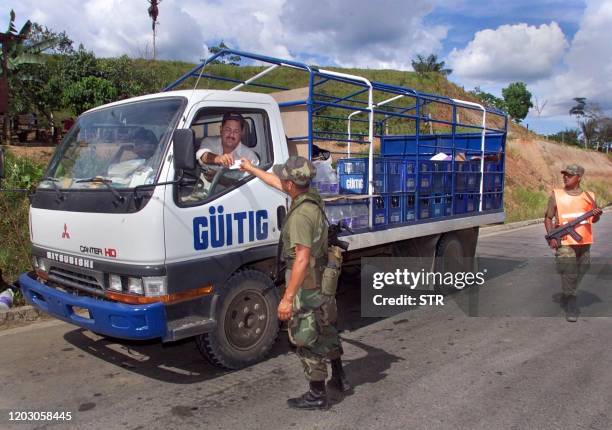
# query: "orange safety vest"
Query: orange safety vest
568,209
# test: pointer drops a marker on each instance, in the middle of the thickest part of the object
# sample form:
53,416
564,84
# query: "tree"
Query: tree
233,60
153,11
578,109
89,92
569,136
595,127
588,127
518,100
424,65
37,88
489,99
15,54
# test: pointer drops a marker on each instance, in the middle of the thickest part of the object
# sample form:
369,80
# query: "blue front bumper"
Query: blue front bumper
108,318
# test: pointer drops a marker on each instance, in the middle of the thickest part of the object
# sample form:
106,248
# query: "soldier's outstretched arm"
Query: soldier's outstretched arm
269,178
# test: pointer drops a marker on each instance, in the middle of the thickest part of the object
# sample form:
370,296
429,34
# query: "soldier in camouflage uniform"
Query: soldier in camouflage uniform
572,259
312,314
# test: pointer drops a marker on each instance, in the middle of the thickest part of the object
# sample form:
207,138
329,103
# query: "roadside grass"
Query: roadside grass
521,203
602,190
21,173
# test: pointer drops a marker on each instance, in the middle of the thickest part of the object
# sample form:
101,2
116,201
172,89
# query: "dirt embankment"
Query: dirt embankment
536,164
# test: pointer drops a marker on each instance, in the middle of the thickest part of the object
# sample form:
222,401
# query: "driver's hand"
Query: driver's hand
225,160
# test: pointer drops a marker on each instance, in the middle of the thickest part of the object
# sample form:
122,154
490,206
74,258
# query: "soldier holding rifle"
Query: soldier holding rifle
572,251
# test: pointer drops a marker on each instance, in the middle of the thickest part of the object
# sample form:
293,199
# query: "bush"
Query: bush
21,173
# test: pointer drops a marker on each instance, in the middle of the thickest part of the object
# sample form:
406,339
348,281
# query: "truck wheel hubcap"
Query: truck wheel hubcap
246,319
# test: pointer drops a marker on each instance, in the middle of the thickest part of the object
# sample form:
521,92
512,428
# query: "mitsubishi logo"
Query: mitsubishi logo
65,234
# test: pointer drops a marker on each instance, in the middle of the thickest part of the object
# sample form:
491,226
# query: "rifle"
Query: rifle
332,235
568,228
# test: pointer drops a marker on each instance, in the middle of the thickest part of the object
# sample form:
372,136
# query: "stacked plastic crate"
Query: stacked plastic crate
435,182
493,177
467,186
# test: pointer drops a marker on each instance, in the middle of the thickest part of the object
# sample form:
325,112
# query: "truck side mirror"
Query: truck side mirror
183,146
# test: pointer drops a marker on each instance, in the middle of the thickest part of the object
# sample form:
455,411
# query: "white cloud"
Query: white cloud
384,34
588,63
510,53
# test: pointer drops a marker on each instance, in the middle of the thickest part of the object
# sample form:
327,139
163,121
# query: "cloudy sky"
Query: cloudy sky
560,48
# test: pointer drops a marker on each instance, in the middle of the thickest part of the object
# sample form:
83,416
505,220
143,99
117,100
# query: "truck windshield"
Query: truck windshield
120,146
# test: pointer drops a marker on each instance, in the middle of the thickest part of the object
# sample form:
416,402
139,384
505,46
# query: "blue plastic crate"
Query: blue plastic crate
409,207
448,205
463,166
491,201
466,203
410,166
410,183
441,165
425,166
353,175
394,175
440,182
475,165
461,181
432,206
492,181
472,184
425,181
493,166
380,211
394,203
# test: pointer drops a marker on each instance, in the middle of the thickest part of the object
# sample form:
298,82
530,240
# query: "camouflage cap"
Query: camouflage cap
573,169
298,170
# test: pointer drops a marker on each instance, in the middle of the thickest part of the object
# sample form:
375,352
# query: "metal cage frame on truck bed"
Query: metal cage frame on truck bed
440,188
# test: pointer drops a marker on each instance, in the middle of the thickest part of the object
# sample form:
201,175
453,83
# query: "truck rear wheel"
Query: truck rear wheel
449,259
247,324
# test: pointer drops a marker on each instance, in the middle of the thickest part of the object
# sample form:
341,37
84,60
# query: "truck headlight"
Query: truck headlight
155,286
135,286
114,283
43,264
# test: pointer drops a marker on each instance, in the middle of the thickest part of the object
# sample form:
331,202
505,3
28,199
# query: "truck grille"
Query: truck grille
67,278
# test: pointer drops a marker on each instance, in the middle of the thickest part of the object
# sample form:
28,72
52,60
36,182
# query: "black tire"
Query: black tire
450,258
247,323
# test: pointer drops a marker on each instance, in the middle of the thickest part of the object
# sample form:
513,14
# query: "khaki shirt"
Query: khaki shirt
305,225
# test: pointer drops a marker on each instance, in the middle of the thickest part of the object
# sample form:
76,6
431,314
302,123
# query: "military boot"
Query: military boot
338,379
563,301
571,313
315,398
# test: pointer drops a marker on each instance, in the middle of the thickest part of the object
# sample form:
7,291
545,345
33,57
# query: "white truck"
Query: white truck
126,244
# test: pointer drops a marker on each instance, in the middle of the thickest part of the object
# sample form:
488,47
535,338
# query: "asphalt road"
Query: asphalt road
520,366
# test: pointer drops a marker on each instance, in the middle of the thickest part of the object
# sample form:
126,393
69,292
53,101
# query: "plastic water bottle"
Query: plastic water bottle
6,299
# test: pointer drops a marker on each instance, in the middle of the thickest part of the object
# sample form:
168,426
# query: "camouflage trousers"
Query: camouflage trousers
312,329
572,263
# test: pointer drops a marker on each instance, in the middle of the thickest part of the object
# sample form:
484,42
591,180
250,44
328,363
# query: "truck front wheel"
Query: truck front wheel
247,324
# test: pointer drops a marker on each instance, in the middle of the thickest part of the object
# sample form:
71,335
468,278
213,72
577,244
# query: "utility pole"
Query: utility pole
154,13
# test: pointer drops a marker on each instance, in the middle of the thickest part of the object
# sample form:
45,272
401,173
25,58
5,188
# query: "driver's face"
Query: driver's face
231,132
